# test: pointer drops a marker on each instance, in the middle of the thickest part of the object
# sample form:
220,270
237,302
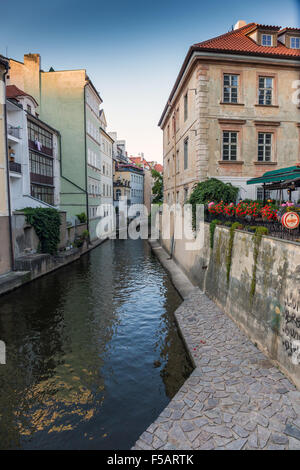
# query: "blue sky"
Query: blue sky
132,50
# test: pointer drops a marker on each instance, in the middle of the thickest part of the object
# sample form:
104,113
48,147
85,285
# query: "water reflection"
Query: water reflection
93,354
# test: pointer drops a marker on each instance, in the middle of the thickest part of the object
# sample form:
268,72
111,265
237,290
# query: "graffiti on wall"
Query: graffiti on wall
291,326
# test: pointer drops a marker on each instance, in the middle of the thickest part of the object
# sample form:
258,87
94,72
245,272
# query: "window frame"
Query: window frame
265,88
185,107
186,153
230,87
296,39
266,35
230,143
264,145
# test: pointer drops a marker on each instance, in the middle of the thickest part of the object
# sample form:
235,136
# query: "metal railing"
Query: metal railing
16,167
275,228
14,131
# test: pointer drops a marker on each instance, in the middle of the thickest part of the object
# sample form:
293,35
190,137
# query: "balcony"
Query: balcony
15,170
14,131
43,149
122,183
41,179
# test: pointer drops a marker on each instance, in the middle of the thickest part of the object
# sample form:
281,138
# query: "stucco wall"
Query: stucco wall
208,116
270,316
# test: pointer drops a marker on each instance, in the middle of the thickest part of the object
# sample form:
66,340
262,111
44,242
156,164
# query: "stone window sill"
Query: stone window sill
231,162
232,104
265,163
266,105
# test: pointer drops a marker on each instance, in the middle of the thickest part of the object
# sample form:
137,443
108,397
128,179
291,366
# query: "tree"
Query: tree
157,189
213,190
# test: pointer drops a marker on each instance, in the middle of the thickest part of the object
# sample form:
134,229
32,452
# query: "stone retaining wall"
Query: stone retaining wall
262,296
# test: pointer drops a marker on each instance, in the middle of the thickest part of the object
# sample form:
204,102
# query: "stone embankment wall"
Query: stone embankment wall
256,282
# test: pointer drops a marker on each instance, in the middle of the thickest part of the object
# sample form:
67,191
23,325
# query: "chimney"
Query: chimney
239,24
32,67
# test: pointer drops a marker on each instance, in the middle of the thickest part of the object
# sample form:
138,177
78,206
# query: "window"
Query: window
186,152
185,105
43,136
43,193
40,165
186,194
265,87
177,160
264,146
229,150
295,43
29,108
260,193
168,132
266,40
177,120
230,88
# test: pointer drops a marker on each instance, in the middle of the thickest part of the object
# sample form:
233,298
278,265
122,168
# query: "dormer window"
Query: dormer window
295,42
266,39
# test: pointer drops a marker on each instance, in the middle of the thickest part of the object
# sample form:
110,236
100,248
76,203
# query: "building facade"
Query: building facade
107,143
69,102
230,114
5,215
94,167
148,182
33,150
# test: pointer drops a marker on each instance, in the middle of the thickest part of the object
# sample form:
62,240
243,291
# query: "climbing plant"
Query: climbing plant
212,228
259,232
46,223
234,226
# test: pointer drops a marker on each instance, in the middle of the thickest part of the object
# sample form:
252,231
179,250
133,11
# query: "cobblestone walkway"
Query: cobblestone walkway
234,399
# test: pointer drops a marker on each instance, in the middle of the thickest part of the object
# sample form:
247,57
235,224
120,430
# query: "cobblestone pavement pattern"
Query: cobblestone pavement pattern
234,399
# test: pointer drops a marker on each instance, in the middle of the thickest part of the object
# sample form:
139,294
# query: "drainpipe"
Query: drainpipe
12,258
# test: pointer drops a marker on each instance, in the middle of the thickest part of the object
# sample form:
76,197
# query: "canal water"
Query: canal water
93,352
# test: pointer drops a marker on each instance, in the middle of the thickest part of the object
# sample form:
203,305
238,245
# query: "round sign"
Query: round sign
290,220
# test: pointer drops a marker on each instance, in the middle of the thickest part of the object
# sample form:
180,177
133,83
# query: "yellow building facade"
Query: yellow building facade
232,113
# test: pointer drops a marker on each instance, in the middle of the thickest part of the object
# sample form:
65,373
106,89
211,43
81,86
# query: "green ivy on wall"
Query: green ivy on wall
234,226
212,228
46,223
259,232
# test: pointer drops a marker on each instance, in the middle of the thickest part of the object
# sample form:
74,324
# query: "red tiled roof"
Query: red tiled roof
12,91
158,167
287,29
140,161
238,41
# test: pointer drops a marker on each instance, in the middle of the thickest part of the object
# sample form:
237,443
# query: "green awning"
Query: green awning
289,173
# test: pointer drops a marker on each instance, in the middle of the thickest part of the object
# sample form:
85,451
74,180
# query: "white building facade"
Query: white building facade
137,185
33,153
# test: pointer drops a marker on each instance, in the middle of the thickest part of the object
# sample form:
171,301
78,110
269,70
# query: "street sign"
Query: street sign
290,220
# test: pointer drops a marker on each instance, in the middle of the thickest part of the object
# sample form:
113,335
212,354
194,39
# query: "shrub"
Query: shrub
213,190
46,223
82,217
